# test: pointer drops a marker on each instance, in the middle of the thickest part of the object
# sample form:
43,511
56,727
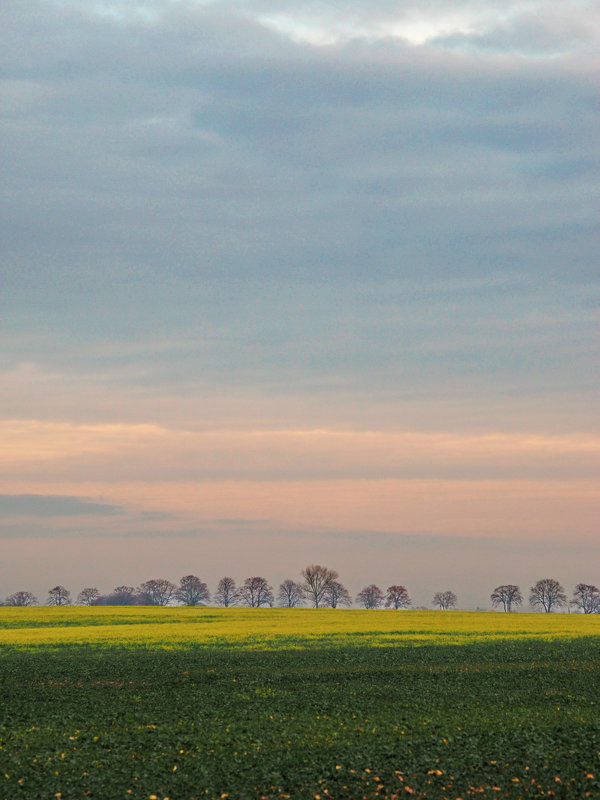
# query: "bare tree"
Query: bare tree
125,596
58,596
370,597
256,592
547,594
316,581
157,592
587,598
397,597
445,600
21,599
226,594
507,595
88,596
121,596
290,594
336,595
192,591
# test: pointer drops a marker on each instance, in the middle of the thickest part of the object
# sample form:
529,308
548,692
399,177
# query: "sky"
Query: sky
299,282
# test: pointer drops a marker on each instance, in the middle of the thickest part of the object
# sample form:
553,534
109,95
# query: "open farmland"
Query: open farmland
249,703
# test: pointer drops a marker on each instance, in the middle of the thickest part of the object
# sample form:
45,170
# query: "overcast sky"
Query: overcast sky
291,282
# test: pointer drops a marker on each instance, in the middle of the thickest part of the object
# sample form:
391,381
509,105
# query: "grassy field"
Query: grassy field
247,703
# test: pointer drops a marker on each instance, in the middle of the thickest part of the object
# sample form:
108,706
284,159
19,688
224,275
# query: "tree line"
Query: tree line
319,586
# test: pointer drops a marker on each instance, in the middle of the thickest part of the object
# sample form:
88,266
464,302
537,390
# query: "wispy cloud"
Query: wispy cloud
151,452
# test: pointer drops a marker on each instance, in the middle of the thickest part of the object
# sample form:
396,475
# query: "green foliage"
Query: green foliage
506,719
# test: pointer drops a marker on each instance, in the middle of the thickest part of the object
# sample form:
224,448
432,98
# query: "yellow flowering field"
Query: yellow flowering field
273,628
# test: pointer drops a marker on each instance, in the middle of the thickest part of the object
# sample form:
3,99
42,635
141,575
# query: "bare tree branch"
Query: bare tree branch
192,591
316,581
256,592
445,600
290,594
58,596
226,594
547,594
397,597
507,595
88,596
157,592
587,598
337,595
21,599
370,597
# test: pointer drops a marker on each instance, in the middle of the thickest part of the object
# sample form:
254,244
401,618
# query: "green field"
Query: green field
246,703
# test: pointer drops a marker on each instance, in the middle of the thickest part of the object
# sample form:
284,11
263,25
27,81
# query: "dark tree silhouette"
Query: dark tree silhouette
445,600
337,595
370,597
290,594
88,596
58,596
507,596
226,594
547,594
121,596
397,597
21,599
256,592
125,596
192,591
157,592
587,598
316,581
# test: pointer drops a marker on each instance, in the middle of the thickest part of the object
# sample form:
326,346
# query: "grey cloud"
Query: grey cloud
535,29
544,32
37,505
189,175
155,516
16,506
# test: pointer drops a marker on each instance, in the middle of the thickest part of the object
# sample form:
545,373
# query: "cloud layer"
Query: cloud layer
50,451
